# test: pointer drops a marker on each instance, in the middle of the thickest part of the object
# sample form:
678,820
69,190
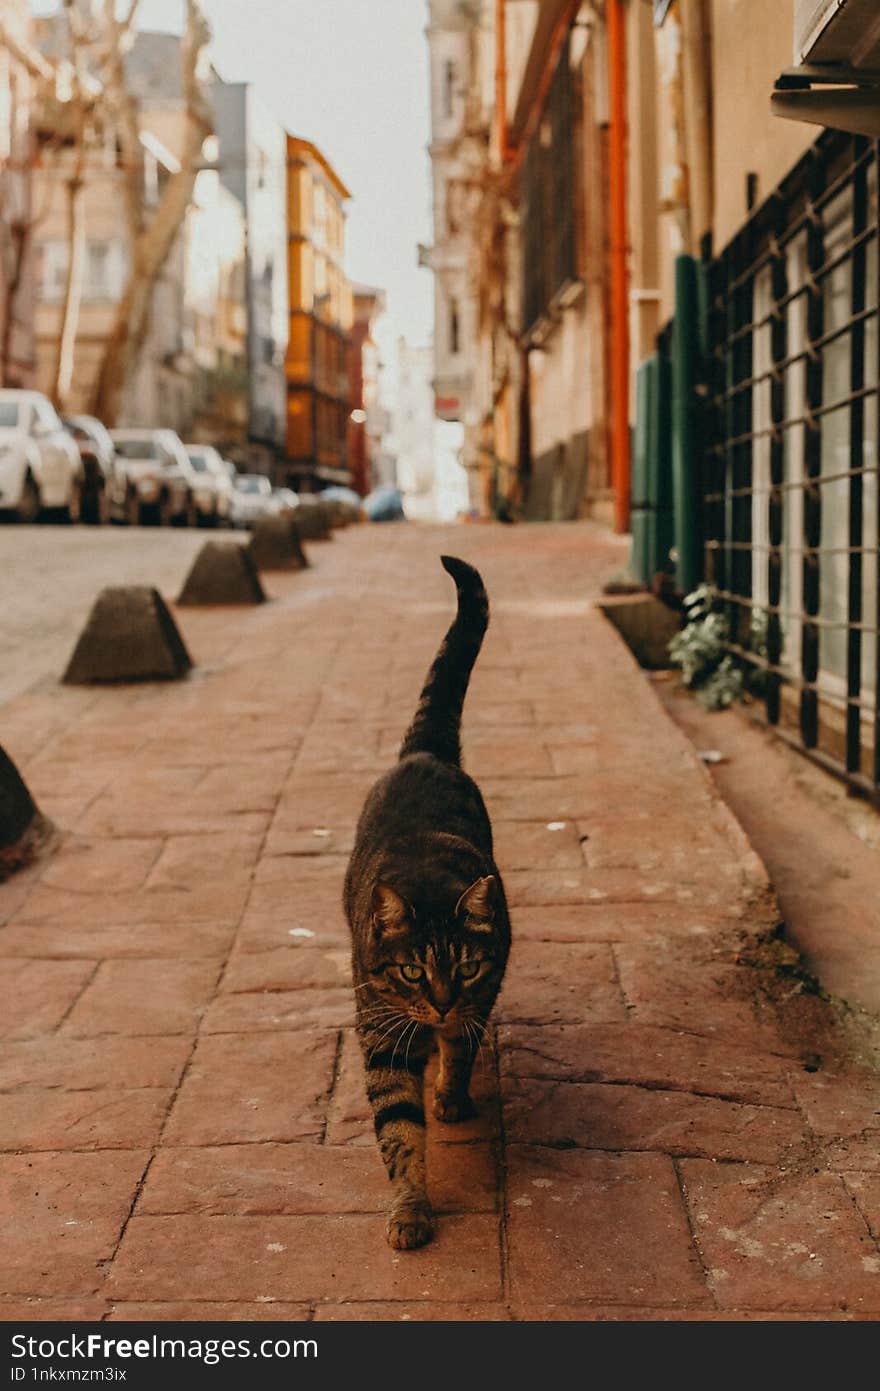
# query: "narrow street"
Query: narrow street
668,1128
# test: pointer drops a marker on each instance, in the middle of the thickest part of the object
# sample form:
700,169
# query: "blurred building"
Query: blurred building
190,373
19,65
367,416
520,249
753,287
415,429
215,315
657,304
461,61
252,160
320,312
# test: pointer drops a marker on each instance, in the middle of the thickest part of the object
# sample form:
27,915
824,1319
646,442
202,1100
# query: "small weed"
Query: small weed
717,676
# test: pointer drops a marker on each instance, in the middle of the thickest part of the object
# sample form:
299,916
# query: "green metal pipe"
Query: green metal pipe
685,431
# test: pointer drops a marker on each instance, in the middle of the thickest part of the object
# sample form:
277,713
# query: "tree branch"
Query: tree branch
153,244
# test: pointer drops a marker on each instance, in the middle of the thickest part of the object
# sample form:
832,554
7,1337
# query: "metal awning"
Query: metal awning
836,81
834,95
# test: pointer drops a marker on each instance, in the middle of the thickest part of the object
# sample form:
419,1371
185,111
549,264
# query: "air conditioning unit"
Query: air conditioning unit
845,32
836,78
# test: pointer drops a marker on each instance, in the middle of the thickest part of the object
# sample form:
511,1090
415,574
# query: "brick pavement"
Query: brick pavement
183,1130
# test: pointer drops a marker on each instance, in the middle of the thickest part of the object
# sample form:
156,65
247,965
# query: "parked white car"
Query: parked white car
98,460
251,499
157,477
284,499
39,462
213,484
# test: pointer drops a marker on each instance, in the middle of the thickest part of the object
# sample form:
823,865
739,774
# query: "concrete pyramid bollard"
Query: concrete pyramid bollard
24,830
276,544
130,635
313,521
223,572
341,512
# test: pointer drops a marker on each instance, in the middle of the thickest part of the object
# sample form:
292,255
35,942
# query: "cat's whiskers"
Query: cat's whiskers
393,1017
486,1035
367,1011
380,1006
478,1032
407,1033
397,1023
400,1041
409,1041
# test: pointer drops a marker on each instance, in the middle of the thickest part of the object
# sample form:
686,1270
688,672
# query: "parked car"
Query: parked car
98,459
385,504
284,499
39,462
213,485
348,506
160,482
251,499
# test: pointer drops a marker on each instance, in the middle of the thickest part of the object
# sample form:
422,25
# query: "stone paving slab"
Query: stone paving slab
184,1132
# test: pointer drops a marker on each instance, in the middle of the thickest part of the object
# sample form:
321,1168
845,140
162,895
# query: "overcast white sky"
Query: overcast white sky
351,75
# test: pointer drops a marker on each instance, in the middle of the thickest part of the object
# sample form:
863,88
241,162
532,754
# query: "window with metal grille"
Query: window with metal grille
791,497
549,200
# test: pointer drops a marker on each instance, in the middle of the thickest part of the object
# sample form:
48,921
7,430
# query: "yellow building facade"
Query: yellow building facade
320,318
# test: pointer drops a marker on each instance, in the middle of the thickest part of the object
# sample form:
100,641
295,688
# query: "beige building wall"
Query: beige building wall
752,41
197,318
16,205
105,223
642,190
560,384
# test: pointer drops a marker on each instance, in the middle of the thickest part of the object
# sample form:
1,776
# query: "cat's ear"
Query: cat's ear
477,904
389,909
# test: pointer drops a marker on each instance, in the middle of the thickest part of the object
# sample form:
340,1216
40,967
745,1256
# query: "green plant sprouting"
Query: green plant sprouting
715,674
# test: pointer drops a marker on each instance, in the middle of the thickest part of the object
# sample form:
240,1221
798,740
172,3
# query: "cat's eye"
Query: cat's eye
468,970
410,972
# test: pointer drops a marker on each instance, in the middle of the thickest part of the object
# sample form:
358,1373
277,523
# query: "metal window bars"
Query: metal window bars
790,475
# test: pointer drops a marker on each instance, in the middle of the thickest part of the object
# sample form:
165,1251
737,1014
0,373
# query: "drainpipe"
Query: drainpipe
501,77
620,451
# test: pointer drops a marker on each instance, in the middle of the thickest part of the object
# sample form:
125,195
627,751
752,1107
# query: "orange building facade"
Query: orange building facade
320,320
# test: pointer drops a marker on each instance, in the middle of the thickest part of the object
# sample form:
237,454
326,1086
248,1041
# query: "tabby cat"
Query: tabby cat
429,923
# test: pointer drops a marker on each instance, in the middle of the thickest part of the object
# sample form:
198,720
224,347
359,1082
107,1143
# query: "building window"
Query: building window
54,271
454,328
450,74
98,281
103,274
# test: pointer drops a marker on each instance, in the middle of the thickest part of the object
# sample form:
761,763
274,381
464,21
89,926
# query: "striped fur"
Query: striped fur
429,923
436,725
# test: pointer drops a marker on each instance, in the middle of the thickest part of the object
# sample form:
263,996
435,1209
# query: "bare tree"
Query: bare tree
151,239
83,101
77,129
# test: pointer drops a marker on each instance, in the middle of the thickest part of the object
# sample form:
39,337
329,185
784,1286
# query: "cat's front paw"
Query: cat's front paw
409,1225
453,1108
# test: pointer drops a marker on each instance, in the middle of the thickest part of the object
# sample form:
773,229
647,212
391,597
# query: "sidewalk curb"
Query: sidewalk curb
758,898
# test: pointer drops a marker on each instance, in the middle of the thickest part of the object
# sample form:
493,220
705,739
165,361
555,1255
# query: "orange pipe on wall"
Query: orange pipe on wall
620,447
501,77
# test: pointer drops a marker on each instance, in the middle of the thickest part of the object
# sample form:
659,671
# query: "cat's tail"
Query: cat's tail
436,724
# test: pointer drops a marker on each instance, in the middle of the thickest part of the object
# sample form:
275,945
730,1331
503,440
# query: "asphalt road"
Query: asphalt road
50,575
